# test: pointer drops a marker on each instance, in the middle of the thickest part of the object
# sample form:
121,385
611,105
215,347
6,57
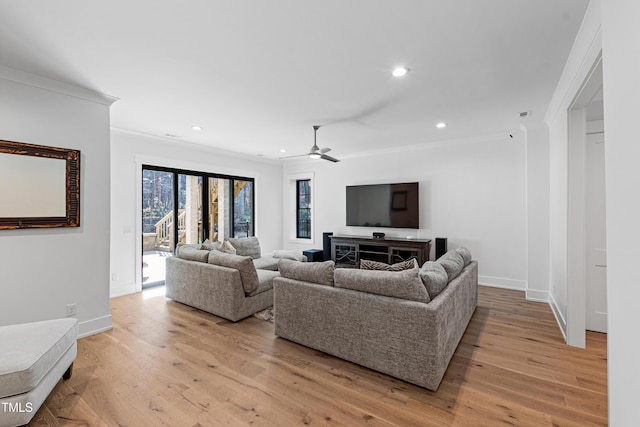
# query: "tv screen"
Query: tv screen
383,205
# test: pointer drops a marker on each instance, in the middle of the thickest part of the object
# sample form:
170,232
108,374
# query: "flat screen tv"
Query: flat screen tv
383,205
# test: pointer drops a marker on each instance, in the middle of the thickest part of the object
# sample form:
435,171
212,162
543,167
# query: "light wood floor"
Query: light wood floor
168,364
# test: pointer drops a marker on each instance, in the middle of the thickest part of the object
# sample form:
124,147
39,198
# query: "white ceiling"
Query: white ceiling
256,75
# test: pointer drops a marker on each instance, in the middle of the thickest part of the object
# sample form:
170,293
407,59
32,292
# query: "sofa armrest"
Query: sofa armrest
452,310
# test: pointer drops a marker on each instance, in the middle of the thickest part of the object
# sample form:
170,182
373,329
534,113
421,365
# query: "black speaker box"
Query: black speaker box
441,246
326,246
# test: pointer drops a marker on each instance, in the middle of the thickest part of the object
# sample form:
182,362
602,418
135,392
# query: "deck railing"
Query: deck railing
164,227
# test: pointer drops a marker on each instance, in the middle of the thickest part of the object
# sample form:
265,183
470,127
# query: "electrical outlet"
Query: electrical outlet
115,277
72,310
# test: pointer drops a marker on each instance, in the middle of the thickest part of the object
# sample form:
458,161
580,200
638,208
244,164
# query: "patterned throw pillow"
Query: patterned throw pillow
366,264
227,248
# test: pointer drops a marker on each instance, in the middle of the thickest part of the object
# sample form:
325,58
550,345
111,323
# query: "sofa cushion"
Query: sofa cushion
246,246
30,350
266,263
405,284
366,264
434,277
265,279
192,253
292,255
465,254
208,245
452,263
243,264
314,272
227,248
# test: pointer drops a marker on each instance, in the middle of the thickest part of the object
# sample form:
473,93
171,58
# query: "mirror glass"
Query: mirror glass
32,186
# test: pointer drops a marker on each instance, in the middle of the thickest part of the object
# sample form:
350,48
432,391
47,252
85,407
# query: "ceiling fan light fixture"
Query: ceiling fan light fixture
315,155
399,71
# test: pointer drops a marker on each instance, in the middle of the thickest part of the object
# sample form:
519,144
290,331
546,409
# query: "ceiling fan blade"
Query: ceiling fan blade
331,159
324,150
291,157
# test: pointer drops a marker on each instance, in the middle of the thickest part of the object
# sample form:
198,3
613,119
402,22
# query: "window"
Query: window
209,206
303,209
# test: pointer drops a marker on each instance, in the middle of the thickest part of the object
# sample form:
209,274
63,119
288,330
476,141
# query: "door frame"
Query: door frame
576,206
147,164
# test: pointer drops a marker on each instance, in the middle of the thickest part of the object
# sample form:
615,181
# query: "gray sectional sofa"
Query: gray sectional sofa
232,286
405,324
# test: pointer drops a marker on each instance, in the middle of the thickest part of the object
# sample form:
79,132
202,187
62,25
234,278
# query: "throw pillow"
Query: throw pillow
292,255
434,277
405,284
208,245
314,272
452,263
465,254
366,264
244,264
227,248
246,246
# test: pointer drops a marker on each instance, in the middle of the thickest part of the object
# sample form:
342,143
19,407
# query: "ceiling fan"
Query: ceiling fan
315,152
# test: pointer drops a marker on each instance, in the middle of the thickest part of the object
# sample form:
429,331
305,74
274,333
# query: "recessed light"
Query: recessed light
441,125
196,127
399,71
283,150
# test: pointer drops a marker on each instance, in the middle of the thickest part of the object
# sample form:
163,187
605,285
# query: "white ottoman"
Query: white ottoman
33,358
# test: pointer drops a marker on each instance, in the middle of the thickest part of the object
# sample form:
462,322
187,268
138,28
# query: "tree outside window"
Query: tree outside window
303,209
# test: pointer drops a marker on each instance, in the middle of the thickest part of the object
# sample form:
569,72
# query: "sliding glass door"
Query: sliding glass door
181,206
158,239
242,208
190,208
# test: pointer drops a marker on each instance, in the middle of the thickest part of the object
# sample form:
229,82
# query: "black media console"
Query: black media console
347,251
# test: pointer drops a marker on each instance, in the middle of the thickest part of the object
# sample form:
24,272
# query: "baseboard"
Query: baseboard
120,290
499,282
562,323
95,326
538,296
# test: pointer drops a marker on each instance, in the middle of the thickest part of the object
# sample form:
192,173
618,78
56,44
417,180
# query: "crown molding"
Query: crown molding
45,83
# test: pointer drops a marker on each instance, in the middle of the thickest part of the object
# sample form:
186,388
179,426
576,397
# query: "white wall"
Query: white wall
585,51
130,151
473,193
44,270
620,34
537,141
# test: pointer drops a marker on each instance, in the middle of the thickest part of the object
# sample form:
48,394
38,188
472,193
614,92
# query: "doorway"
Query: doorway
595,208
585,228
158,198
